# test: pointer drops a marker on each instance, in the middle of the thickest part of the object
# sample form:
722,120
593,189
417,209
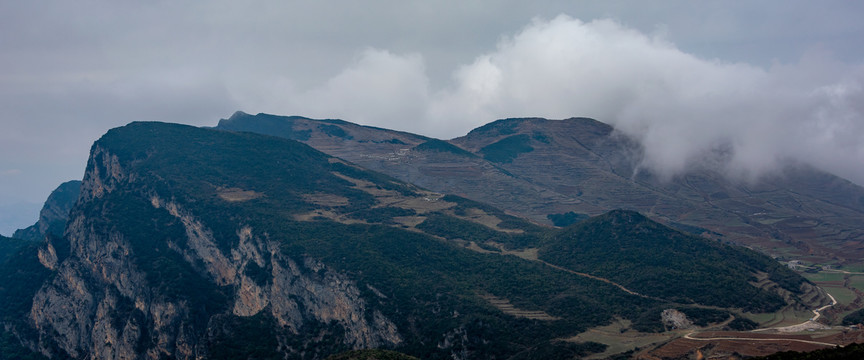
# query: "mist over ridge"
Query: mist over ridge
744,80
685,110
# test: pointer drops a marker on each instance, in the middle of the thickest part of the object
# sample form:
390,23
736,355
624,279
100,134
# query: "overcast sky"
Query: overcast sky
765,81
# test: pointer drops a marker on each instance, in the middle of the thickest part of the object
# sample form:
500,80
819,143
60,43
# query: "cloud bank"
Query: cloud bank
684,109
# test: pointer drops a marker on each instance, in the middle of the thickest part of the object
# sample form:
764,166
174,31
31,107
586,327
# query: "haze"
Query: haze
761,83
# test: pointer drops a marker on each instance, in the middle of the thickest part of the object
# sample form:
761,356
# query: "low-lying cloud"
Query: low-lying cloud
684,109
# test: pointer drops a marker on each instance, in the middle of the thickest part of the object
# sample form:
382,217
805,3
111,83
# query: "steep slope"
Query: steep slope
800,212
189,242
54,214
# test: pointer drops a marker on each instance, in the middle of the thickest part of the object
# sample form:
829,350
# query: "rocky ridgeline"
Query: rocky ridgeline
85,310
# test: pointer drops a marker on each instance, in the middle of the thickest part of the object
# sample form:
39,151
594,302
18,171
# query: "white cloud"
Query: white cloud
683,108
379,88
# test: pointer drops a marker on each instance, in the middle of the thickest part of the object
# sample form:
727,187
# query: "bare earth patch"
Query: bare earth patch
319,213
237,194
329,200
481,217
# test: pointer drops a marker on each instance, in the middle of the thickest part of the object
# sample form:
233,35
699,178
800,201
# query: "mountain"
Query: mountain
198,243
54,214
542,168
801,212
429,163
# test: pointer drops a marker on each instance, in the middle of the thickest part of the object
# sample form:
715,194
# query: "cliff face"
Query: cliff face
103,304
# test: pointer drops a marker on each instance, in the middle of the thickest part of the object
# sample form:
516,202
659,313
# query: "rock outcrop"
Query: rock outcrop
101,304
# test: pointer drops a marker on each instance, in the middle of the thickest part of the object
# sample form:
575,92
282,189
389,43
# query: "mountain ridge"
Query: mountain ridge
584,166
225,244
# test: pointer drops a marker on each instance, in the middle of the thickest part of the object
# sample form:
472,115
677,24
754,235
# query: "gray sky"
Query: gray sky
765,81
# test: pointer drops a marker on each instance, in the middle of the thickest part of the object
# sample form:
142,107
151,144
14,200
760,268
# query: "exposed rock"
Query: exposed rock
674,319
101,305
48,256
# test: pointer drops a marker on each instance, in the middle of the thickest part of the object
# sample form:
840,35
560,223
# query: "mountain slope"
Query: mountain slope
188,242
801,211
425,162
537,167
656,260
54,213
226,244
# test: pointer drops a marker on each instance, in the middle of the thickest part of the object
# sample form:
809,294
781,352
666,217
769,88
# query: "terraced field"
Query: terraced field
506,307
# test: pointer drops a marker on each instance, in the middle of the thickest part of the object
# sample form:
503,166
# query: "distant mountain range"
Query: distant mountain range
186,242
536,168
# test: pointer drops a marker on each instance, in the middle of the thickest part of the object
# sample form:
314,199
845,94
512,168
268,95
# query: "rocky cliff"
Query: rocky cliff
102,304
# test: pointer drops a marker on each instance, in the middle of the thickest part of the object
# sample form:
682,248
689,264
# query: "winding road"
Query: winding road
610,282
797,327
690,337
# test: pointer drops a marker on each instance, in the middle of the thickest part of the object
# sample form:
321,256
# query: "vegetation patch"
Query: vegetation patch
335,131
566,219
21,276
742,324
507,149
702,317
373,354
435,145
244,338
498,127
655,260
383,215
